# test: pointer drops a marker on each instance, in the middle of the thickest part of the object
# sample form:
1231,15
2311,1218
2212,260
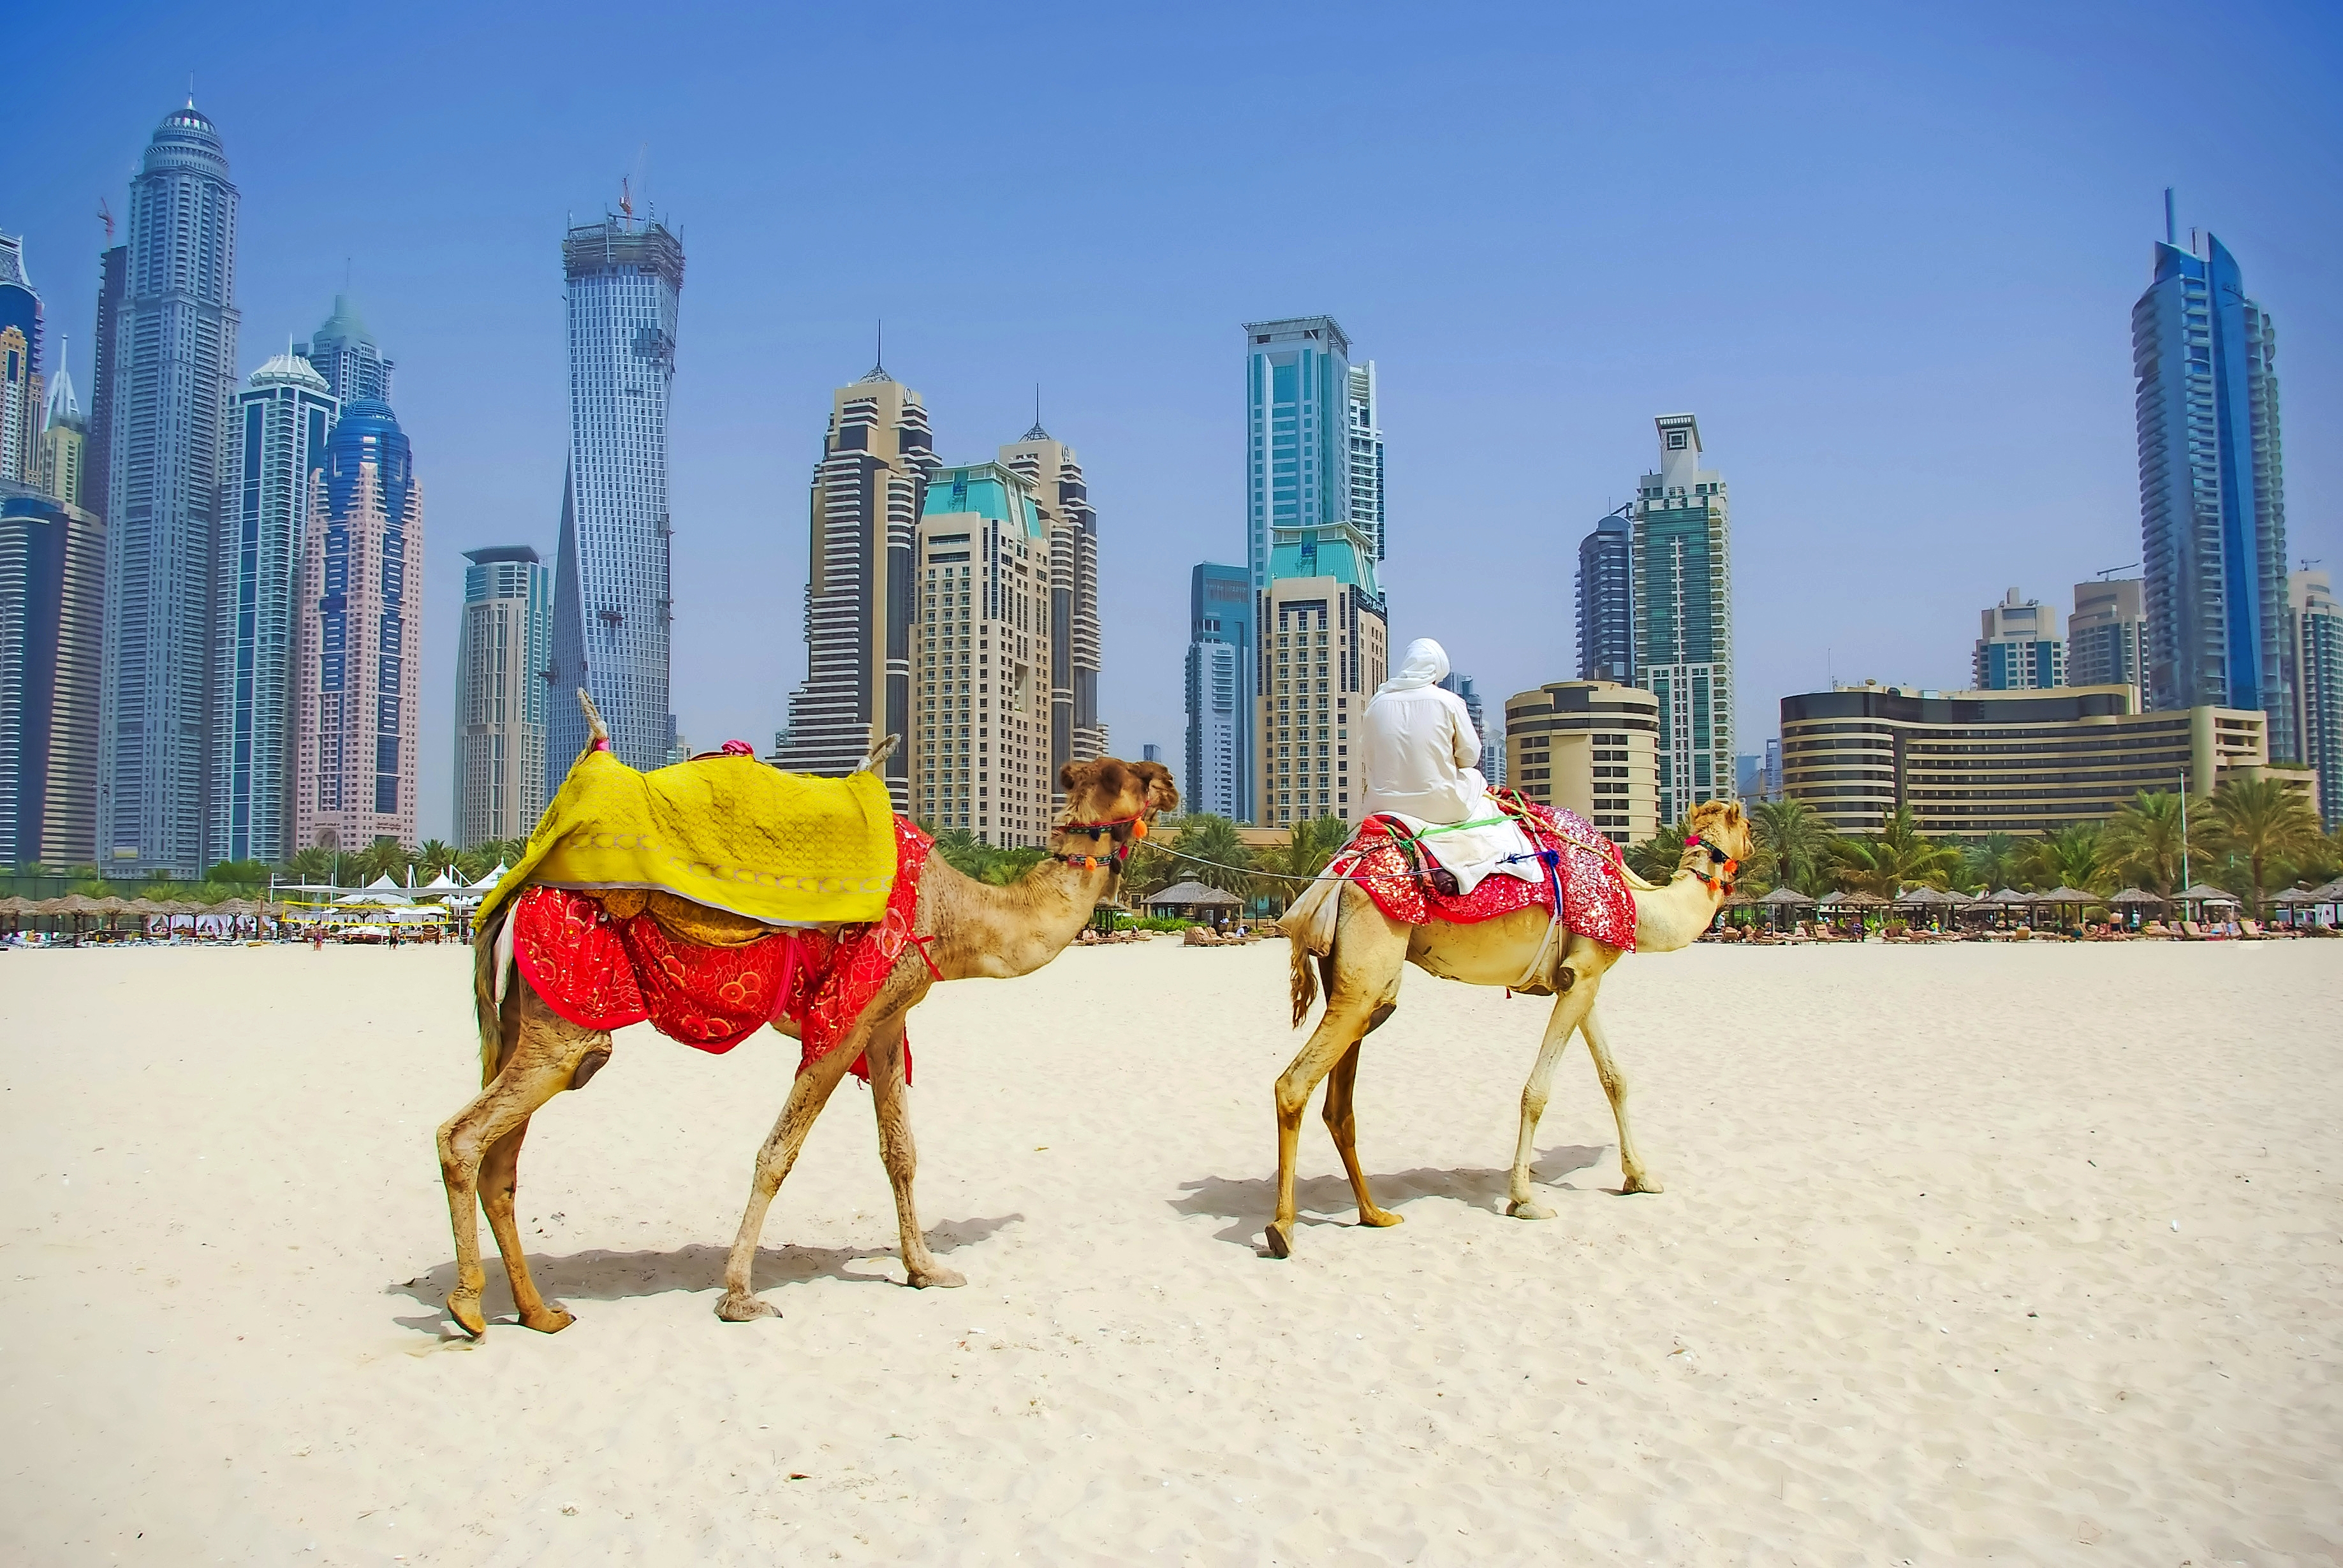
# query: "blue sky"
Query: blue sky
1887,254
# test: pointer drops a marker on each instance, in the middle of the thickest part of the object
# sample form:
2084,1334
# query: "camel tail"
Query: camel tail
491,961
1309,925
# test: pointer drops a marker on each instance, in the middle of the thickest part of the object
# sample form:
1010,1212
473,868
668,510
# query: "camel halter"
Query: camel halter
1121,830
1724,865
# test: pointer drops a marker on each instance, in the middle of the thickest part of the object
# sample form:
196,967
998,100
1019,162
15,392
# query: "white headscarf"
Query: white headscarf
1426,665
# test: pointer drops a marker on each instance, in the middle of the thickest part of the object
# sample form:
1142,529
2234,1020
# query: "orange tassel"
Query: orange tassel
1138,829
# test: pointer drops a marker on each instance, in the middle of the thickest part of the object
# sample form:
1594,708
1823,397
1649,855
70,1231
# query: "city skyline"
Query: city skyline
2030,370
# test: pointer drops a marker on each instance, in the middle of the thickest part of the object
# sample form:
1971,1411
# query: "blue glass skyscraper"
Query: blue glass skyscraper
1220,655
345,354
612,604
170,383
1305,469
1606,602
2212,490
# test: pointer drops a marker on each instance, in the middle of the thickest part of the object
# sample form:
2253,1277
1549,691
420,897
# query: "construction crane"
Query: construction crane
105,216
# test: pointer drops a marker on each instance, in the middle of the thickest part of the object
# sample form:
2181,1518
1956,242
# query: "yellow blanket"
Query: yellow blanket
729,832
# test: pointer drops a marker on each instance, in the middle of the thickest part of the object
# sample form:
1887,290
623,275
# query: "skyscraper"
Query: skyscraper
1325,646
981,658
345,354
1315,454
2017,646
1682,567
20,364
503,643
612,601
1047,466
1606,602
2212,488
277,447
359,648
52,606
172,378
1366,433
1220,777
859,583
113,281
2315,648
62,454
2106,634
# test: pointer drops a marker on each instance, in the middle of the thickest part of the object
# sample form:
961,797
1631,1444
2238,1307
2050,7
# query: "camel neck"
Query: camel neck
1670,917
999,932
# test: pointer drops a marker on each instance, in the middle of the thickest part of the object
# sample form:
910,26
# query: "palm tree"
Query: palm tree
434,856
2073,856
1203,837
1655,860
312,864
1796,838
1991,862
2142,844
2260,821
1884,862
1307,850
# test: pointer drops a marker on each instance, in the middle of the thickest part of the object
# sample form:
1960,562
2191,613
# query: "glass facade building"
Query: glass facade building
359,647
1606,602
2212,490
1680,567
1219,683
2106,634
2315,648
277,448
20,364
52,566
345,354
503,644
612,601
2019,646
1077,734
169,378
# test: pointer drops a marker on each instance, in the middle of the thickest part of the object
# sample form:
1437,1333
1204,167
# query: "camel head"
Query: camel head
1110,804
1718,842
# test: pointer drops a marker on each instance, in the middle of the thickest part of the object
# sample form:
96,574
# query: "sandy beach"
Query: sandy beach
2012,1253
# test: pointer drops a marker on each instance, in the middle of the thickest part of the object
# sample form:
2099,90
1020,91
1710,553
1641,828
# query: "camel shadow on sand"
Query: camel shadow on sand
1251,1201
603,1275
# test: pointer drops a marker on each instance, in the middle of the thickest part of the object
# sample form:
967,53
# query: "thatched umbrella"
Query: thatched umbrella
2203,896
1781,899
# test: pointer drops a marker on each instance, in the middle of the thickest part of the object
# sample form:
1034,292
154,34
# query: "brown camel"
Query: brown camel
529,1053
1362,953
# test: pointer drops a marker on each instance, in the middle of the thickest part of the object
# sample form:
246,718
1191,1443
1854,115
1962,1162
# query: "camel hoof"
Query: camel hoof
1280,1239
1379,1218
1524,1209
548,1320
1644,1182
937,1277
738,1307
464,1306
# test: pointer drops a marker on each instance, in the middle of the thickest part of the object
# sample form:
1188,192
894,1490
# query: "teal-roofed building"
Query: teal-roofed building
1324,647
1681,568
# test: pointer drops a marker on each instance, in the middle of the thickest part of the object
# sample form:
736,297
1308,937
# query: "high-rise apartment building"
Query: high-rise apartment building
503,644
345,354
861,584
2105,636
1462,685
358,646
2018,647
1315,453
52,615
1326,647
2314,639
21,402
1366,457
612,600
1681,568
171,382
276,445
1048,467
1219,778
1590,747
981,658
1606,601
113,281
61,457
2212,488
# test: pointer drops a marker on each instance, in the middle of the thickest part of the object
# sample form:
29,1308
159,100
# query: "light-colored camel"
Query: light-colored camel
1363,952
529,1054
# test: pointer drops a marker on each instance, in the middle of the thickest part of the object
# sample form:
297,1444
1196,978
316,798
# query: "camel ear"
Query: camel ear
1075,775
1163,794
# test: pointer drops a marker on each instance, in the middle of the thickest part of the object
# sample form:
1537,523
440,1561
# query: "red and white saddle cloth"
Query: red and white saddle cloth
601,971
1582,870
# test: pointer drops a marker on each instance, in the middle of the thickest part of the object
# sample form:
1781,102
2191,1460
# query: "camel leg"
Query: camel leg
536,1067
1361,977
1633,1177
1344,1128
500,1176
1569,1009
807,1095
899,1153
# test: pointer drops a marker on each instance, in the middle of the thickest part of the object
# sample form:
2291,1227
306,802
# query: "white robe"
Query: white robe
1422,756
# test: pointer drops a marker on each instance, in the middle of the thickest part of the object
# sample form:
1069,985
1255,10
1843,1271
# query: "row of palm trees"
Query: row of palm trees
1198,848
350,868
2249,837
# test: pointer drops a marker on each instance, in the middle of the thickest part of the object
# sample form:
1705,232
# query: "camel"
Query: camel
1362,953
529,1054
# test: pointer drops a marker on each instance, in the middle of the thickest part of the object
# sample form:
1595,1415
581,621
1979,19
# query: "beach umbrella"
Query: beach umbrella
1784,897
2130,896
2202,894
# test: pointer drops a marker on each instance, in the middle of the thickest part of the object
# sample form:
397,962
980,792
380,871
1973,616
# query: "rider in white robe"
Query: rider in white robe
1422,754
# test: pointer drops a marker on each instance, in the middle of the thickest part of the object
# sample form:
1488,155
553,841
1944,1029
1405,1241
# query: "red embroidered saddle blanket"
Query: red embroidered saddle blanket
605,972
1583,869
